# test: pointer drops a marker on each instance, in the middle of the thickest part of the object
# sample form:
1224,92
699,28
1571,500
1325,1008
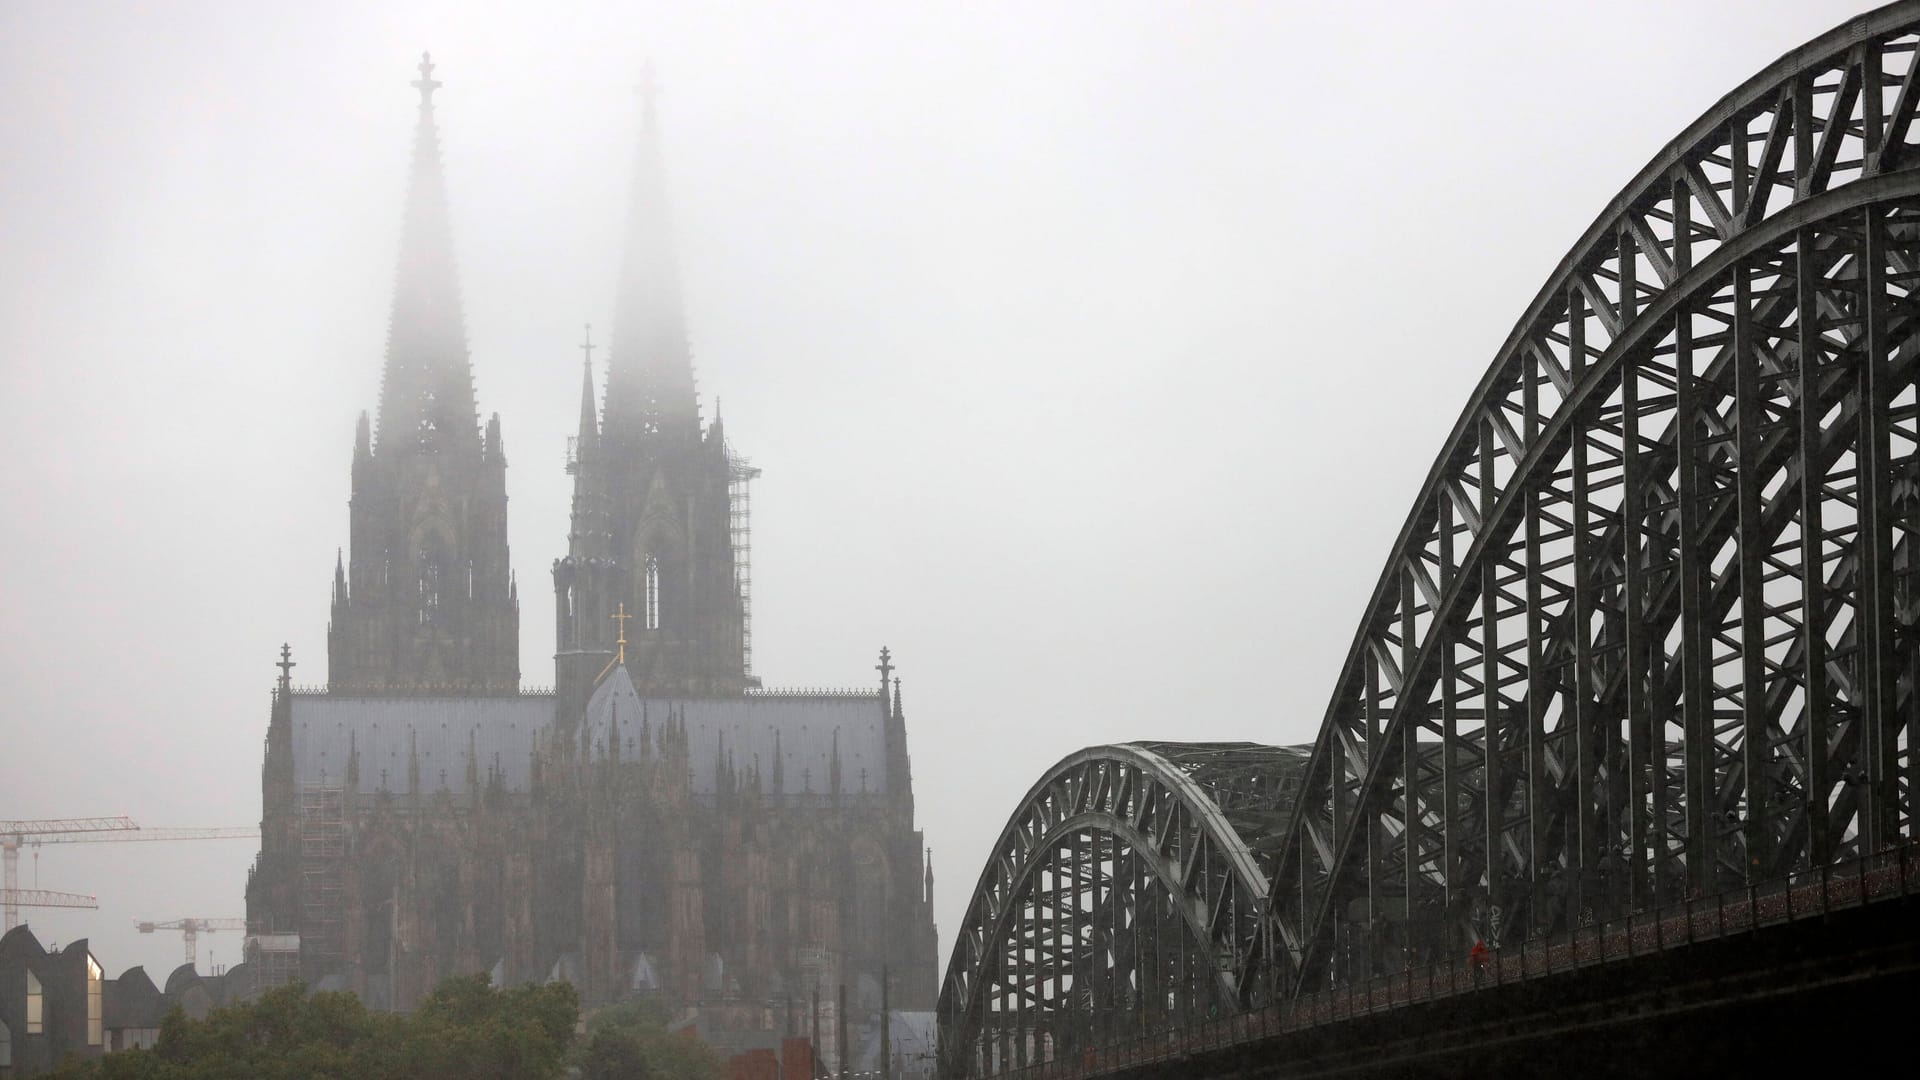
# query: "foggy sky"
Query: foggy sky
1093,352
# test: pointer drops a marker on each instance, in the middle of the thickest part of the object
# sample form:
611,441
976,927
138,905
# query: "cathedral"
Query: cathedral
657,824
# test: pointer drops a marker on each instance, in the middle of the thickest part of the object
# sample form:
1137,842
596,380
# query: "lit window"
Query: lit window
653,593
94,1013
35,1002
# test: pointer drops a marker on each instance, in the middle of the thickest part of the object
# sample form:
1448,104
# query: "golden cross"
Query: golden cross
621,617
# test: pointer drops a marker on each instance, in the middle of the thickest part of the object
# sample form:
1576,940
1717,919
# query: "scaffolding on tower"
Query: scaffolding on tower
740,476
323,846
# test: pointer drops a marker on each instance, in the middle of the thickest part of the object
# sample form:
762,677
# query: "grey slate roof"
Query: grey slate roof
804,729
387,730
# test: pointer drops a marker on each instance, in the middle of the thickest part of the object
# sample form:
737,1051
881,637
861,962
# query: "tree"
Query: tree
464,1029
630,1041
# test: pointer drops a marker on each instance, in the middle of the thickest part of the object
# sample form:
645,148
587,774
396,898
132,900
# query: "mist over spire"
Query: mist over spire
650,368
426,390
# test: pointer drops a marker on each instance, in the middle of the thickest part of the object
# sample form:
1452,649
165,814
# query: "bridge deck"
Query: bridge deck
1201,1048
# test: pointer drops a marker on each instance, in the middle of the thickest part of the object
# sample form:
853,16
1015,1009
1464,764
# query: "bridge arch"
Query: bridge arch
1649,628
1120,897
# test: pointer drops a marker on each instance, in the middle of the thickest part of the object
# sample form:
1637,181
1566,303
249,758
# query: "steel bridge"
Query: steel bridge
1639,675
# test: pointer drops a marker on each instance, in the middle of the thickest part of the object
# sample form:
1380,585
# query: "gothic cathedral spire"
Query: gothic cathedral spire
650,386
427,602
652,526
426,391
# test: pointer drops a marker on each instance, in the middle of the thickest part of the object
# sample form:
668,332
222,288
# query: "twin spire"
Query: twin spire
427,397
650,368
426,394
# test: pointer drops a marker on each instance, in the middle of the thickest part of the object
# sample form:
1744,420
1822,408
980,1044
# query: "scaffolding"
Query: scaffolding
323,847
740,476
274,959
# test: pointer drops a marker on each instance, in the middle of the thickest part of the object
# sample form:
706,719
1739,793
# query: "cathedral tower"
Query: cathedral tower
426,599
651,527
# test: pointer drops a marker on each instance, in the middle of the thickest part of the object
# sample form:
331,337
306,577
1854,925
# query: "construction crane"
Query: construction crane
15,833
19,898
191,929
112,830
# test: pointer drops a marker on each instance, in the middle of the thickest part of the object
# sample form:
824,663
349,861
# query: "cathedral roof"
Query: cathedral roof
804,733
391,735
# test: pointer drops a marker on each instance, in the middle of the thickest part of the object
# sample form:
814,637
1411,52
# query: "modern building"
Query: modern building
57,1004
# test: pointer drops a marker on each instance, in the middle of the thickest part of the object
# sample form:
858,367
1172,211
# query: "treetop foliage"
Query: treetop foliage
466,1029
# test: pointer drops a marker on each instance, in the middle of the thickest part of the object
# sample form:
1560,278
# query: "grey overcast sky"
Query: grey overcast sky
1093,351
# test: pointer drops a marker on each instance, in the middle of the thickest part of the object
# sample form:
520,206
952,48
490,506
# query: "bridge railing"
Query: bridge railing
1889,875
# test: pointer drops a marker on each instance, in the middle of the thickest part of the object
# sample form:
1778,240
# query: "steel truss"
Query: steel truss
1648,632
1120,899
1648,629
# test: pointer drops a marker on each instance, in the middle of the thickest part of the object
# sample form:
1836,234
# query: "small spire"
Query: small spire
899,706
413,761
885,668
613,732
779,765
286,666
833,766
496,447
426,83
589,422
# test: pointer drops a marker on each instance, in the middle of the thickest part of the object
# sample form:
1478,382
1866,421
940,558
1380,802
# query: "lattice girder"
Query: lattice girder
1120,898
1665,550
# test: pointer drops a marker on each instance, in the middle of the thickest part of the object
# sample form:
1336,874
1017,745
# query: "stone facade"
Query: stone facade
655,825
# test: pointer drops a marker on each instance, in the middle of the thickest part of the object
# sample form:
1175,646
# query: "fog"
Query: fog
1093,352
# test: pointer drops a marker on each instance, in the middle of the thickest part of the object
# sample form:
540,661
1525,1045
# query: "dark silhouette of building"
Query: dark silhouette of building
57,1004
657,823
52,1004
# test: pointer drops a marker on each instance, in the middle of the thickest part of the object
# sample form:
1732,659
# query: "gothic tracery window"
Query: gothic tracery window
429,588
651,597
652,594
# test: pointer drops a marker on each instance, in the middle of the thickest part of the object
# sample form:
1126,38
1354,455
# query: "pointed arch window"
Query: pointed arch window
651,594
430,589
